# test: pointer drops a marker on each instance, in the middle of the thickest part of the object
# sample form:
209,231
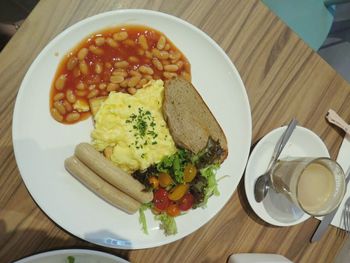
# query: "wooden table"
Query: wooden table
283,77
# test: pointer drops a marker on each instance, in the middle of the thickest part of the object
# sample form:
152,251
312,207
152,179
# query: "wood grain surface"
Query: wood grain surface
284,78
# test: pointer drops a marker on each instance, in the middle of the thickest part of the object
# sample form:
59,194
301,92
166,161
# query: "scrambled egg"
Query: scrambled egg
134,126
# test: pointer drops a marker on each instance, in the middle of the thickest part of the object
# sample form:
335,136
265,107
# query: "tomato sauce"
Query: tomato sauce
120,59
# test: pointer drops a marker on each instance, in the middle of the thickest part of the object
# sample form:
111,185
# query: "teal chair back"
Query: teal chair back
310,19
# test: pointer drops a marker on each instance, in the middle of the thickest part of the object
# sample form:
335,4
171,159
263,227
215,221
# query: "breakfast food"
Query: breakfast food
189,119
111,173
121,59
154,146
134,128
100,187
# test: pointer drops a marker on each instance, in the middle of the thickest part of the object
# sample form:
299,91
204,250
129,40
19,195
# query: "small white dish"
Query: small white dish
276,209
79,255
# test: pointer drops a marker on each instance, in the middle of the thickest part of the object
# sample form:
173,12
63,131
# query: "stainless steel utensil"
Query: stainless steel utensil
322,227
262,184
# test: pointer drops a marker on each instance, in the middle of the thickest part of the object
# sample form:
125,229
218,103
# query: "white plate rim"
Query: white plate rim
139,11
70,252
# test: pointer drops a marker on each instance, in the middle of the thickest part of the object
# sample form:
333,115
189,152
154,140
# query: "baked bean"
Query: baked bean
180,64
92,94
120,73
169,75
129,42
108,65
98,68
73,116
60,82
171,68
148,54
120,36
157,64
70,96
148,77
140,52
161,42
96,50
82,53
143,42
76,72
167,46
143,82
133,81
104,93
91,87
146,70
81,93
116,79
72,62
124,84
132,91
67,106
161,54
84,69
99,41
187,67
58,96
133,59
111,42
135,73
56,115
80,86
121,64
186,76
59,106
165,62
174,56
112,87
102,86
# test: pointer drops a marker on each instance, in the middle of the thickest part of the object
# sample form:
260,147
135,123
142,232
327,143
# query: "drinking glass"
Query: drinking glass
316,185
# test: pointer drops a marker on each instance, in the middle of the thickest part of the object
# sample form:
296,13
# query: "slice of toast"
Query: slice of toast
190,121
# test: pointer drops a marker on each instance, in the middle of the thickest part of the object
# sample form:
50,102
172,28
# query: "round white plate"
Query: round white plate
41,144
276,208
80,256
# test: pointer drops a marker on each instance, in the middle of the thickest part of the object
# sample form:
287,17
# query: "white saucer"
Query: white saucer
276,209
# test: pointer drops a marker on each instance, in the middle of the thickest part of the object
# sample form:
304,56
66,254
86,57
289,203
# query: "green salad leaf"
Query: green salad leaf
209,173
168,223
175,164
142,217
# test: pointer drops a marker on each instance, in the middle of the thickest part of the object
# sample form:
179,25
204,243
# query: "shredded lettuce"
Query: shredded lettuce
168,223
211,188
142,217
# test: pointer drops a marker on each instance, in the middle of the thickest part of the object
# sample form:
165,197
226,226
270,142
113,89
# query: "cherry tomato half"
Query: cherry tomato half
173,210
160,199
186,202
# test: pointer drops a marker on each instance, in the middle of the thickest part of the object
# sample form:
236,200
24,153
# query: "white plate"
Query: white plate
275,208
80,256
41,144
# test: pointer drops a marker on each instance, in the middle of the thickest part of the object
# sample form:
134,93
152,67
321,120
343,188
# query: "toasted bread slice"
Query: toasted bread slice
189,119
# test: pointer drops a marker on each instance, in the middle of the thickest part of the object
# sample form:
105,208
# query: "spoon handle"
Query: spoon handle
283,140
334,118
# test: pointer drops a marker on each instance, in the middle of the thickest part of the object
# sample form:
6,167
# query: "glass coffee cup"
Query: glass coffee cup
316,185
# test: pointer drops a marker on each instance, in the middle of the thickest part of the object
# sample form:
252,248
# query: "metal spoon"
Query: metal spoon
262,184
